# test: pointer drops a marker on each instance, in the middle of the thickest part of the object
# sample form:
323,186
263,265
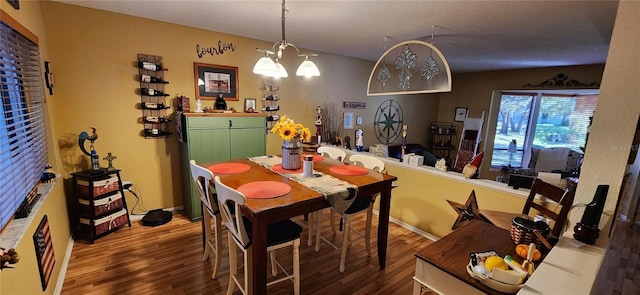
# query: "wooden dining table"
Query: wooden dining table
301,200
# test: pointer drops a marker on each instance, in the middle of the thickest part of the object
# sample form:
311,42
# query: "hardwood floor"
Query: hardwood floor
620,271
166,260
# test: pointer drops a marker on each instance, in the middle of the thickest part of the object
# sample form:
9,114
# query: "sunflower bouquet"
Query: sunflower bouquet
287,129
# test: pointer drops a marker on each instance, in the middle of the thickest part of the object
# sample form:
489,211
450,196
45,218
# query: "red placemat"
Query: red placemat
228,168
349,170
316,157
278,168
264,189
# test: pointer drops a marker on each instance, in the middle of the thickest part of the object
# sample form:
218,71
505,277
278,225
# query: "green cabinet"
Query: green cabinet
215,138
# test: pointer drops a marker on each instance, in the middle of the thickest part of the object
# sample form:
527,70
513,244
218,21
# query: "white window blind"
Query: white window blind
22,135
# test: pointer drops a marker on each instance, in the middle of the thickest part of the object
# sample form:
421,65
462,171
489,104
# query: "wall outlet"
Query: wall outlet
126,184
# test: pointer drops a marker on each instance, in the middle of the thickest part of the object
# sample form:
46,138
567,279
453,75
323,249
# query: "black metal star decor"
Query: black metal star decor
466,212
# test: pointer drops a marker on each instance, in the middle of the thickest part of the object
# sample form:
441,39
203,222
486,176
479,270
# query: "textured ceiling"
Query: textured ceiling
473,35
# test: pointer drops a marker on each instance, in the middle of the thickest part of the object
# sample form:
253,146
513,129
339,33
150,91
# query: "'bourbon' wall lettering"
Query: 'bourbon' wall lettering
202,51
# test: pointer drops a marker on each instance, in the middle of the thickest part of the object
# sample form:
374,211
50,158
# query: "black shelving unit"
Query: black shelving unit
441,140
153,99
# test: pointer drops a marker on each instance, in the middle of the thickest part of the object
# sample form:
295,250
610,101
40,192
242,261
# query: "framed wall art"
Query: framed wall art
250,105
461,114
44,251
211,80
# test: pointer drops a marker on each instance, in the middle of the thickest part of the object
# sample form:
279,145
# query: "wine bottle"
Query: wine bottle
272,97
155,119
275,117
271,108
154,106
152,92
152,79
151,66
155,132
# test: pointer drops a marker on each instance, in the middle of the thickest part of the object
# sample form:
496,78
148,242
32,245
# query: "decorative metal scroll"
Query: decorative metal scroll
415,67
564,81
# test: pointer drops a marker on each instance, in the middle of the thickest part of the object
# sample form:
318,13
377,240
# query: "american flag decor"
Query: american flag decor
44,251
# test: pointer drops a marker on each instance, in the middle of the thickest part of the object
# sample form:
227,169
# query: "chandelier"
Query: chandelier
268,67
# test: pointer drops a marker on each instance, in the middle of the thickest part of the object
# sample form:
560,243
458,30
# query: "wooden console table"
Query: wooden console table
441,266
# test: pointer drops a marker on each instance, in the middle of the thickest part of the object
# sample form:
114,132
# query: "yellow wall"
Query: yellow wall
420,199
25,278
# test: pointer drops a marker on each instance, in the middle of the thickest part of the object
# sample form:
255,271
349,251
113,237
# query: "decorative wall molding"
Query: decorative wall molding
563,81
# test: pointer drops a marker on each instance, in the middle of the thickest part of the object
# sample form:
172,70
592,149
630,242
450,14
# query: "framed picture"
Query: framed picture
348,120
44,251
250,105
212,80
461,114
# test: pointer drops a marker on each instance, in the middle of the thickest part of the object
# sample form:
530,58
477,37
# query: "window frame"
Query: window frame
23,149
533,115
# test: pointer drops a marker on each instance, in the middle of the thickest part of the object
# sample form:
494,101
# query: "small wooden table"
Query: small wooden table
441,266
299,201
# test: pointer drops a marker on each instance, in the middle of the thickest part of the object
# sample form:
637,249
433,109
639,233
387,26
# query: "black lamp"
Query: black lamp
586,230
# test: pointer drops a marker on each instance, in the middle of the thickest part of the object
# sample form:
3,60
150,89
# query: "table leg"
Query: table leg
383,225
258,279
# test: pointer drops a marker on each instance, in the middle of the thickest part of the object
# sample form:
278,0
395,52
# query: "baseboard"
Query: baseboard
63,268
410,227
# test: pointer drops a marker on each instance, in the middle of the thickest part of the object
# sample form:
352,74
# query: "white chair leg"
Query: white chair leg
274,268
233,265
318,228
296,267
248,279
310,228
367,233
206,227
345,243
217,228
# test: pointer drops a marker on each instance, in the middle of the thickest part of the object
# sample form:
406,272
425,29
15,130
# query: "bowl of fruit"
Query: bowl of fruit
498,273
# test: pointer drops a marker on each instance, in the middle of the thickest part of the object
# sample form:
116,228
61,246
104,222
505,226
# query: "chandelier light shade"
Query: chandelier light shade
308,69
265,66
410,67
268,67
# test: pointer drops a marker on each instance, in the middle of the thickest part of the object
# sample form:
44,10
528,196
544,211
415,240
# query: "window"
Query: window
539,120
22,135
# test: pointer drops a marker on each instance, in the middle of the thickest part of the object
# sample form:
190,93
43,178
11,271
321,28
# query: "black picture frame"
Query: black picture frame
460,114
211,80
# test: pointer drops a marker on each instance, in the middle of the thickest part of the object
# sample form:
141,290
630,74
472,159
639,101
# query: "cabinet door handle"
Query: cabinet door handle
230,124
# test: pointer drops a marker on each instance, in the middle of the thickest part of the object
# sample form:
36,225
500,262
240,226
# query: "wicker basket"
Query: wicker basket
101,206
522,231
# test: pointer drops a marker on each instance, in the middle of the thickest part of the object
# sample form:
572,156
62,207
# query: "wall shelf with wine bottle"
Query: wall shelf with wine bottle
153,97
270,99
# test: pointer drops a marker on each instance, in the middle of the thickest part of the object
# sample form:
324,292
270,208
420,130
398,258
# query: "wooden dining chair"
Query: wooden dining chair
333,153
211,232
279,235
359,205
560,197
